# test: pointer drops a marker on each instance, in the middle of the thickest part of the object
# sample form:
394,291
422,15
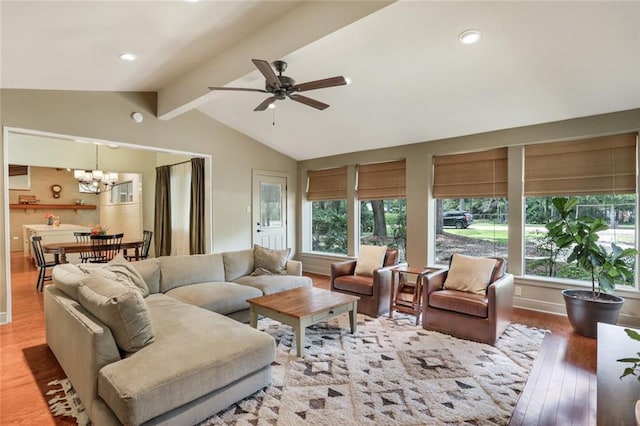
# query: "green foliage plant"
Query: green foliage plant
580,235
634,370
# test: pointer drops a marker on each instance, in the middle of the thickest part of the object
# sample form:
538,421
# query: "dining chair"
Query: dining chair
105,247
84,237
146,244
41,262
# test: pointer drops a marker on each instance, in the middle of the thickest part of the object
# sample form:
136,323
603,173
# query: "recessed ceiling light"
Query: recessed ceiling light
348,80
469,36
128,57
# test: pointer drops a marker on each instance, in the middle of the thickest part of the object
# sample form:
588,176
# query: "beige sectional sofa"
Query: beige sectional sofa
190,353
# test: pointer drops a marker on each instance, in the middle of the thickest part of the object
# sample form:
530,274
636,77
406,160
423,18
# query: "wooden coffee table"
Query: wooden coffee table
302,307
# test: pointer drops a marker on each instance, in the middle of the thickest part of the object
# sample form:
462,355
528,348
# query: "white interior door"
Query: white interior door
270,210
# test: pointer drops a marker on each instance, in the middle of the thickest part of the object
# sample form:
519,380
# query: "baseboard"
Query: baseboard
624,320
317,271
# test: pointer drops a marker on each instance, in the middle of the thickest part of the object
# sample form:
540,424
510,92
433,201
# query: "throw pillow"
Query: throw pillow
274,261
470,274
119,269
121,308
127,274
370,258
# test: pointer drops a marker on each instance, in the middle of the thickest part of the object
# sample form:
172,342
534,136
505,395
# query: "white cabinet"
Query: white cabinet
52,234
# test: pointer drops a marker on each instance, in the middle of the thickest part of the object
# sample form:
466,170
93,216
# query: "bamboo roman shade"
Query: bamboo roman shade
327,184
471,175
602,165
381,181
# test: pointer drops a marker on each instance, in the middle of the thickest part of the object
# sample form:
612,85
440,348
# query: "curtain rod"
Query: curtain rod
177,164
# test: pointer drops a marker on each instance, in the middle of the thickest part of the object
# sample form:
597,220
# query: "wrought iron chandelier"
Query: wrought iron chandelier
96,177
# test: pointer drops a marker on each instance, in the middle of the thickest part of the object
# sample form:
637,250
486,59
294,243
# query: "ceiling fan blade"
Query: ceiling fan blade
265,68
309,102
239,89
265,104
320,84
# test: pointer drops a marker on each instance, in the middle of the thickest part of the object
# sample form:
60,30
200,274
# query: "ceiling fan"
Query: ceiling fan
282,87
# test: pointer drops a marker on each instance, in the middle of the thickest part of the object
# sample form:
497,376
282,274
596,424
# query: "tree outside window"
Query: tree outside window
329,226
384,222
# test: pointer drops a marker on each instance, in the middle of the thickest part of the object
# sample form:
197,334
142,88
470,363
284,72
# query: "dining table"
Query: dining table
60,249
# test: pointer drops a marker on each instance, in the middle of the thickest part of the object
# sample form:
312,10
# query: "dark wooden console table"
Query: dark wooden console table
616,397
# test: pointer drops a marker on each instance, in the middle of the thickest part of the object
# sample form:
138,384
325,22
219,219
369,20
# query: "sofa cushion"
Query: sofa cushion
121,308
354,284
119,269
269,284
196,352
149,269
460,301
471,274
176,271
267,260
223,298
237,264
369,259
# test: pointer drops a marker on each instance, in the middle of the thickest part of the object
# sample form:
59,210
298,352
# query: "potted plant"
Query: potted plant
605,266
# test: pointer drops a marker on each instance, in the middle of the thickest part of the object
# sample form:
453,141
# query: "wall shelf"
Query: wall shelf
75,207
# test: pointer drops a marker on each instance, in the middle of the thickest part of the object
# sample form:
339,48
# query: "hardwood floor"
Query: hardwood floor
561,389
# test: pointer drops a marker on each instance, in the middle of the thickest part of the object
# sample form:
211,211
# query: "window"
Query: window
329,226
327,191
541,258
122,193
601,174
381,189
384,223
471,205
471,226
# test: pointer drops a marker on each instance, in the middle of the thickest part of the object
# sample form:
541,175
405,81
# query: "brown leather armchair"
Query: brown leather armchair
374,291
479,317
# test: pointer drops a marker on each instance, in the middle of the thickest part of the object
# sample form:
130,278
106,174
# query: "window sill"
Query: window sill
326,256
561,284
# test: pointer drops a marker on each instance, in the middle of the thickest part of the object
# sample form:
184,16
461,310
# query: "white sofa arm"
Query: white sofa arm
294,267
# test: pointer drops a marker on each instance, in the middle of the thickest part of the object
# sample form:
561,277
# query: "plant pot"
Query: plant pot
585,313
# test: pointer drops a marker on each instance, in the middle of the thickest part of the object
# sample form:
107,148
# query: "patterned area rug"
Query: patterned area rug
390,372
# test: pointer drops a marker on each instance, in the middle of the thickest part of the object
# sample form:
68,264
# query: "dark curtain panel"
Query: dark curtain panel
196,212
162,222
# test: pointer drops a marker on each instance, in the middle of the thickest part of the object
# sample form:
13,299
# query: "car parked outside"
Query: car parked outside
459,219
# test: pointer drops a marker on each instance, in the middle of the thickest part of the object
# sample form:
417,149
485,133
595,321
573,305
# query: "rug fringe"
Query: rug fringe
66,403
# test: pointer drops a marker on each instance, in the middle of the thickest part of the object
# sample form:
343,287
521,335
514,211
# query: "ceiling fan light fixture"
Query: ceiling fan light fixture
282,87
469,36
272,106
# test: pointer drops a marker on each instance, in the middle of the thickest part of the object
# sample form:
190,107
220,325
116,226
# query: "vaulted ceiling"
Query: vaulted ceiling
412,80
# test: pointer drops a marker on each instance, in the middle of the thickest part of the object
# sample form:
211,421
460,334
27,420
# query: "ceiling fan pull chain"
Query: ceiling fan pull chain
274,117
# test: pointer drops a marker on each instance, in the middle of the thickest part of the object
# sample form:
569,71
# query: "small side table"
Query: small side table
406,290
